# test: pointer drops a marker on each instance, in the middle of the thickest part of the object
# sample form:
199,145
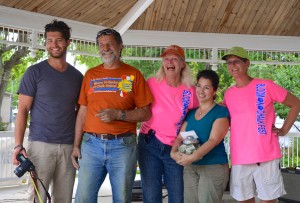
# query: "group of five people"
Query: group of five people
114,96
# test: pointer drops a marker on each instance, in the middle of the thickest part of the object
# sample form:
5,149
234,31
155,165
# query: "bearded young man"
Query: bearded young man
49,90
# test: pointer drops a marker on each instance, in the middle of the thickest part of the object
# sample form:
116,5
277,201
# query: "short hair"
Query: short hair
210,75
110,31
58,26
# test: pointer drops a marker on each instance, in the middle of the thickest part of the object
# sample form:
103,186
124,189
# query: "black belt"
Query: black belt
110,136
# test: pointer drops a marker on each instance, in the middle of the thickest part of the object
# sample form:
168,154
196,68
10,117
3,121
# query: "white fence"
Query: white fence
6,148
290,145
290,151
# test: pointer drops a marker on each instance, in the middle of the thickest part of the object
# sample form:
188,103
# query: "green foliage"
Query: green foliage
88,61
286,76
283,75
3,126
291,155
147,68
195,68
140,52
18,72
226,81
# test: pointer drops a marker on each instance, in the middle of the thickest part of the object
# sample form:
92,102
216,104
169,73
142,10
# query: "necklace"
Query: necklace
200,113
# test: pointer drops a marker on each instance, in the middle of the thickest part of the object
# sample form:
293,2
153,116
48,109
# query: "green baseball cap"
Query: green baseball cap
236,51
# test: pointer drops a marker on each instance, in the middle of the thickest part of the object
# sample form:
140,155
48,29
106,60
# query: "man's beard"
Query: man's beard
59,55
109,60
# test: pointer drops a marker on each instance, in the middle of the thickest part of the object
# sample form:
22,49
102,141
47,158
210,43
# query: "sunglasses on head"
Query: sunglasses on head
107,32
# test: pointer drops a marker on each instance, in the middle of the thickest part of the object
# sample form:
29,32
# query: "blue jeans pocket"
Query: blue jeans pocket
144,138
86,137
129,140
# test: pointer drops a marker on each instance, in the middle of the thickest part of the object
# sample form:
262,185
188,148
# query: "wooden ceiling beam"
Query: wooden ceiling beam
132,15
16,18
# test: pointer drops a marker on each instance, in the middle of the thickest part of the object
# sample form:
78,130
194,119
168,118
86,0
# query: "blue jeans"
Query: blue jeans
157,167
116,157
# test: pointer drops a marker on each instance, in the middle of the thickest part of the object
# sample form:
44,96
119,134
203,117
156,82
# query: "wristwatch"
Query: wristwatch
123,115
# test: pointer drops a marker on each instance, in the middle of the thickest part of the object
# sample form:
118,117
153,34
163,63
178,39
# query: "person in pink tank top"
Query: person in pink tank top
254,145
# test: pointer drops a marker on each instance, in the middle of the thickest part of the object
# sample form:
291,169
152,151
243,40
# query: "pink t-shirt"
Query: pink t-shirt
252,114
169,109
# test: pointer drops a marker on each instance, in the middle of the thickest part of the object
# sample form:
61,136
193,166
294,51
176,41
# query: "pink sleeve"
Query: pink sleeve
278,93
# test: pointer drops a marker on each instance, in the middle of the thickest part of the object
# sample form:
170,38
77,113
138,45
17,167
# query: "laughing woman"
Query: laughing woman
205,170
173,97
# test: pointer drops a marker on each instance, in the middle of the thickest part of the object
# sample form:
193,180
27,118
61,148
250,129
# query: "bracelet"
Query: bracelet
19,145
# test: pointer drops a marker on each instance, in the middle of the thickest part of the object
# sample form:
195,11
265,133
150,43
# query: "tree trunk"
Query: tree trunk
7,66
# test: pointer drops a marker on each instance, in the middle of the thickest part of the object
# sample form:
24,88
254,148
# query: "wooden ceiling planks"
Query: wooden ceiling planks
31,5
155,15
188,15
161,16
239,8
218,19
168,16
259,17
279,16
228,13
66,9
207,15
97,13
200,14
20,4
291,23
108,12
269,16
174,15
149,11
91,13
215,19
9,3
247,18
181,15
47,7
252,10
120,11
193,18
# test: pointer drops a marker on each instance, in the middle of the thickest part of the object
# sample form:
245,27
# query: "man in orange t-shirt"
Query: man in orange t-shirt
114,97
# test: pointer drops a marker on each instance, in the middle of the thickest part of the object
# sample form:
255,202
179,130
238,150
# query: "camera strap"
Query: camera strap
35,178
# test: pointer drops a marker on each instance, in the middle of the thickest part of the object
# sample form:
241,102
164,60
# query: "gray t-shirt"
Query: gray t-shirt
55,95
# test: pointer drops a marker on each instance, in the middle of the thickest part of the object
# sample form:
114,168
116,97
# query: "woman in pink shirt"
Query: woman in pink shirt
254,146
174,96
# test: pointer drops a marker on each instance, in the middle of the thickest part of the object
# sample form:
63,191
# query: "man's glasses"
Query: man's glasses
234,62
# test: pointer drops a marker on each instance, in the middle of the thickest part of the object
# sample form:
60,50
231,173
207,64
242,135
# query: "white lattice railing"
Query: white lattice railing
289,146
35,40
6,149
